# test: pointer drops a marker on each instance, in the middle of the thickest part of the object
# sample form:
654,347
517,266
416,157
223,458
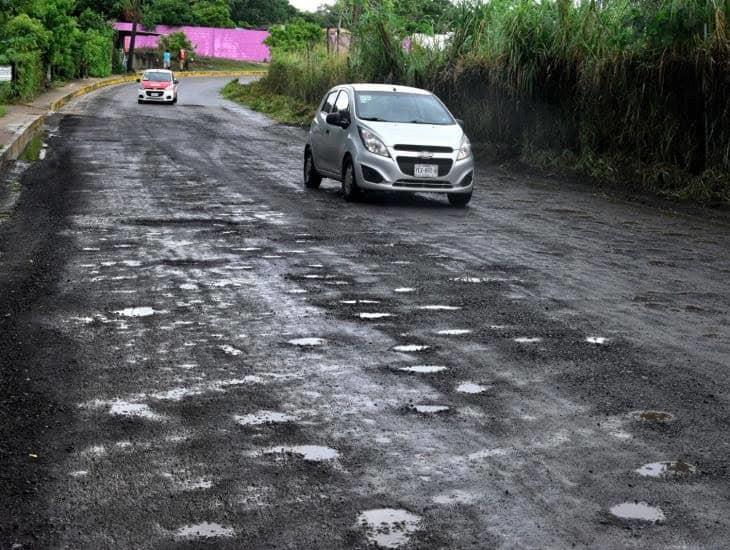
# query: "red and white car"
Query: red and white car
157,86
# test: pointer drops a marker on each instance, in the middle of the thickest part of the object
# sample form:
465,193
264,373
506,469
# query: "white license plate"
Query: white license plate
426,170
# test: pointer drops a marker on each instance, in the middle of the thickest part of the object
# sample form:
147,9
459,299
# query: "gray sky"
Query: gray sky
309,5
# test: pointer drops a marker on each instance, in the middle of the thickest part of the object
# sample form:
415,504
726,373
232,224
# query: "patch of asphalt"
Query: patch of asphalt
179,283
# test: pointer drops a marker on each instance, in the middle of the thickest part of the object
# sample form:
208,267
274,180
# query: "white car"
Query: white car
157,86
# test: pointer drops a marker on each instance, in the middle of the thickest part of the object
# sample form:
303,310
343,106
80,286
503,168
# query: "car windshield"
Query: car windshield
157,77
401,107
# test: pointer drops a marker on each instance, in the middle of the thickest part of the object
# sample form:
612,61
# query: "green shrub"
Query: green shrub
97,51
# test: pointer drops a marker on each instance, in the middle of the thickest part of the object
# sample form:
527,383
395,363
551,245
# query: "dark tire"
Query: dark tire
140,101
459,200
350,190
312,179
174,100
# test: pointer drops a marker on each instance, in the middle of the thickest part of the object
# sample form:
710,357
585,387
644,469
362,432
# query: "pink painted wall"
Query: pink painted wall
239,44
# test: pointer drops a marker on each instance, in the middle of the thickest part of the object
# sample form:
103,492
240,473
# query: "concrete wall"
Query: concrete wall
239,44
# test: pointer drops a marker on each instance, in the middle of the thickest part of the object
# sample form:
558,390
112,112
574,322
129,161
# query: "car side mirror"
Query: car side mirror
138,80
176,81
460,122
338,119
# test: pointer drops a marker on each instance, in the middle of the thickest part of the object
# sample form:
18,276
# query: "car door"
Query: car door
319,130
335,139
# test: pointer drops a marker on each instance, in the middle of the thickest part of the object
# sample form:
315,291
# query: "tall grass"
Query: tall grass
624,89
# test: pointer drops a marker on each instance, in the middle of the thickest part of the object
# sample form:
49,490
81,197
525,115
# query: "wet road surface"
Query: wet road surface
196,351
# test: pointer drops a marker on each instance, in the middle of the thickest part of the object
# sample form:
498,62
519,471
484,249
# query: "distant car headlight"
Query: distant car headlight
465,149
373,143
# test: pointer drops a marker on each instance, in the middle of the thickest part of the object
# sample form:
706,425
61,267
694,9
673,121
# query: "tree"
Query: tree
170,12
175,42
212,13
262,13
297,35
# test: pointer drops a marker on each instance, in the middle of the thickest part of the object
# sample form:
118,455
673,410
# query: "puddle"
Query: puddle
32,151
374,315
438,308
666,469
138,312
297,291
599,340
652,416
404,290
314,276
124,408
204,530
639,511
431,409
230,350
264,417
311,453
423,369
388,527
456,497
526,340
454,332
409,348
471,387
308,342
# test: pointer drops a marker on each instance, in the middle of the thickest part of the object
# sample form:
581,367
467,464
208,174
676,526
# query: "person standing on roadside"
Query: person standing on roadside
166,60
182,57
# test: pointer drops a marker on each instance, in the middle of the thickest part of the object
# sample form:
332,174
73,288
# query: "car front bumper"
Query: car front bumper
378,173
146,95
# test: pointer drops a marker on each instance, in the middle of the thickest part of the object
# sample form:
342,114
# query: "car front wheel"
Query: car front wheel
350,190
312,179
459,200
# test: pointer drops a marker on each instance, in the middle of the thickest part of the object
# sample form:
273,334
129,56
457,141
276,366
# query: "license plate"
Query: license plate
157,94
425,170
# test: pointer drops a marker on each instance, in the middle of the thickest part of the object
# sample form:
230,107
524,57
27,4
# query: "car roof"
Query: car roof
364,87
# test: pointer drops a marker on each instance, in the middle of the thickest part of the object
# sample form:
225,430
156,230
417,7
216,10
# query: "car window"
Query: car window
342,105
401,107
329,102
157,77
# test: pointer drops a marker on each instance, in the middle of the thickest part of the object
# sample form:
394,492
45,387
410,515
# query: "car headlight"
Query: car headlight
465,149
373,143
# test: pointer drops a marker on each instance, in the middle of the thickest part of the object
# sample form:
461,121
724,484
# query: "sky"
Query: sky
309,5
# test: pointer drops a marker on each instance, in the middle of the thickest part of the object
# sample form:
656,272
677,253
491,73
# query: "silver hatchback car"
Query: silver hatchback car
388,138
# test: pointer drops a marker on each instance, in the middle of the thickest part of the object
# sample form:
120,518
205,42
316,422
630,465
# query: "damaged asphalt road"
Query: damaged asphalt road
195,350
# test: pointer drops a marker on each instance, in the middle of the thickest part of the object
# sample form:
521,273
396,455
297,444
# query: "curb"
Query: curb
16,147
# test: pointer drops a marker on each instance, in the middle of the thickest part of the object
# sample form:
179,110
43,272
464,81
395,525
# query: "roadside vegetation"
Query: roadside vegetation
628,91
3,110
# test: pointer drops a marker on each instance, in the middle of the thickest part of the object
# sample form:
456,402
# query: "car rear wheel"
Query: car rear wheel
312,179
459,200
350,190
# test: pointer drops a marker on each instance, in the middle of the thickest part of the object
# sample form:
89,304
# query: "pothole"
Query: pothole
307,342
638,511
388,527
230,350
410,348
527,340
666,469
264,417
423,369
138,312
471,387
141,410
431,409
310,453
204,530
374,315
652,416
